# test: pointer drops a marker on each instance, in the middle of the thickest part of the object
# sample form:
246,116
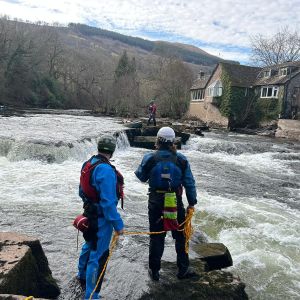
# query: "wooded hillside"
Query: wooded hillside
85,67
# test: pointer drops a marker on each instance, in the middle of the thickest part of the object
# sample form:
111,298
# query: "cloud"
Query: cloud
204,22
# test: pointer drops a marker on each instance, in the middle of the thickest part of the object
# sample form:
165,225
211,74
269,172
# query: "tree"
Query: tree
173,80
125,67
282,47
126,87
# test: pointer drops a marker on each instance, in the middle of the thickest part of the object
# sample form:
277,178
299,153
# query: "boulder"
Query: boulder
148,142
216,256
214,285
198,131
134,124
183,135
131,133
24,268
150,130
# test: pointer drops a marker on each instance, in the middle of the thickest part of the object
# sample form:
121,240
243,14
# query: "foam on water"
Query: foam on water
248,193
56,128
53,138
262,235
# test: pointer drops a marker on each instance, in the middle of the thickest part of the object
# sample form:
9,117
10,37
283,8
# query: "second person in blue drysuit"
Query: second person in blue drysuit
166,172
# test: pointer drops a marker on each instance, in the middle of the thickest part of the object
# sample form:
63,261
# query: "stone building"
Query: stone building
281,83
275,89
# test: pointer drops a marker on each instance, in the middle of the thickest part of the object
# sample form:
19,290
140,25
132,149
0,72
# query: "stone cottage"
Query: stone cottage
226,96
280,84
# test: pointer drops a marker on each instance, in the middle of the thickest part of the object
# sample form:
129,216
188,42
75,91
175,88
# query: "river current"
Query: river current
248,198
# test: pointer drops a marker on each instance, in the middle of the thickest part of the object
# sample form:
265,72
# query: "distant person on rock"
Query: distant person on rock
167,172
101,186
152,113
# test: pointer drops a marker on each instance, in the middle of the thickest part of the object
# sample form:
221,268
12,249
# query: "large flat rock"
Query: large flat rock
214,285
24,267
216,256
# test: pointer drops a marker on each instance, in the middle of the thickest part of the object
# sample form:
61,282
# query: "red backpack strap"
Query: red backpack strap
85,179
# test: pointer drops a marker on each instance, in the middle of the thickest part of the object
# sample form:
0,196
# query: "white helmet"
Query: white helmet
166,134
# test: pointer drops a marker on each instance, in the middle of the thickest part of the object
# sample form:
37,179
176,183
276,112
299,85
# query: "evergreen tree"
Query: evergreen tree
125,67
126,88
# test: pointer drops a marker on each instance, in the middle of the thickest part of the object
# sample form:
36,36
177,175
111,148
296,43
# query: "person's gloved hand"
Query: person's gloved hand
120,232
190,207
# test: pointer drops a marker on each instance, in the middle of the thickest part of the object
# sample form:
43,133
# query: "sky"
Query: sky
222,28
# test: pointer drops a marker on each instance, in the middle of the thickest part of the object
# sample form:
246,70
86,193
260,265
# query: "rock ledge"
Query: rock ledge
24,268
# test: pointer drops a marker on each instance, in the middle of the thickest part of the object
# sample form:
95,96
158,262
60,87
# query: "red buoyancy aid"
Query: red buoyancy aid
85,180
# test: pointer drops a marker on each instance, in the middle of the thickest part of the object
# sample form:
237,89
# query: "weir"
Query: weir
54,151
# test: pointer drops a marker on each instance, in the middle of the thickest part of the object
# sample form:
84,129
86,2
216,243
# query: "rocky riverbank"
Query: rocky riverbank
24,268
211,284
24,271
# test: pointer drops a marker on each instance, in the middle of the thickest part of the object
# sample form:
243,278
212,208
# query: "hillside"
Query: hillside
187,53
86,67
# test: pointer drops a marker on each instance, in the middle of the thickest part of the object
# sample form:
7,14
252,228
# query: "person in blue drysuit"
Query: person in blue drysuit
167,171
102,214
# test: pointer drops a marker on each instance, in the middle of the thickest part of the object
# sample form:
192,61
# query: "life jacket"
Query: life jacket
89,191
166,172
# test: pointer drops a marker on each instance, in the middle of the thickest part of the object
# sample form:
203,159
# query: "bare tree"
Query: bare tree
282,47
173,80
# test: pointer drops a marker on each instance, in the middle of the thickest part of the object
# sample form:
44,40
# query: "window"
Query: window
267,73
215,89
269,92
283,71
198,95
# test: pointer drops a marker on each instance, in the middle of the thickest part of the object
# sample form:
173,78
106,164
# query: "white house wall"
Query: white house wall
205,110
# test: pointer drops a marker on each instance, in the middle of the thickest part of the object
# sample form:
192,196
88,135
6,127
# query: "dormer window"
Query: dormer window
267,73
283,71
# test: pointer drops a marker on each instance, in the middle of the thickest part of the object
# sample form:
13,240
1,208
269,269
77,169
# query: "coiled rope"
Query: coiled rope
187,231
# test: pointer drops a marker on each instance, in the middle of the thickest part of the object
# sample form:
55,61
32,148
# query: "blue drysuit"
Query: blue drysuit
165,170
91,261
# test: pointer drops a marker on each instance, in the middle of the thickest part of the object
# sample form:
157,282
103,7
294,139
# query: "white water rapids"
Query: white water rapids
248,195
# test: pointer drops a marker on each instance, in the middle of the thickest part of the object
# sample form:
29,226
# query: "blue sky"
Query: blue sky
221,28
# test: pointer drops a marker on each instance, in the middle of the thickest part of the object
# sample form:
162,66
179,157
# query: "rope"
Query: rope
112,246
187,231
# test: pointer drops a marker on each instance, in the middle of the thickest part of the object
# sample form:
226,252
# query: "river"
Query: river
248,199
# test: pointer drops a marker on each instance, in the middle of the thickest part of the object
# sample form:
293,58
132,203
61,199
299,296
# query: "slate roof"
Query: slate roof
276,78
241,76
200,83
283,65
246,76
